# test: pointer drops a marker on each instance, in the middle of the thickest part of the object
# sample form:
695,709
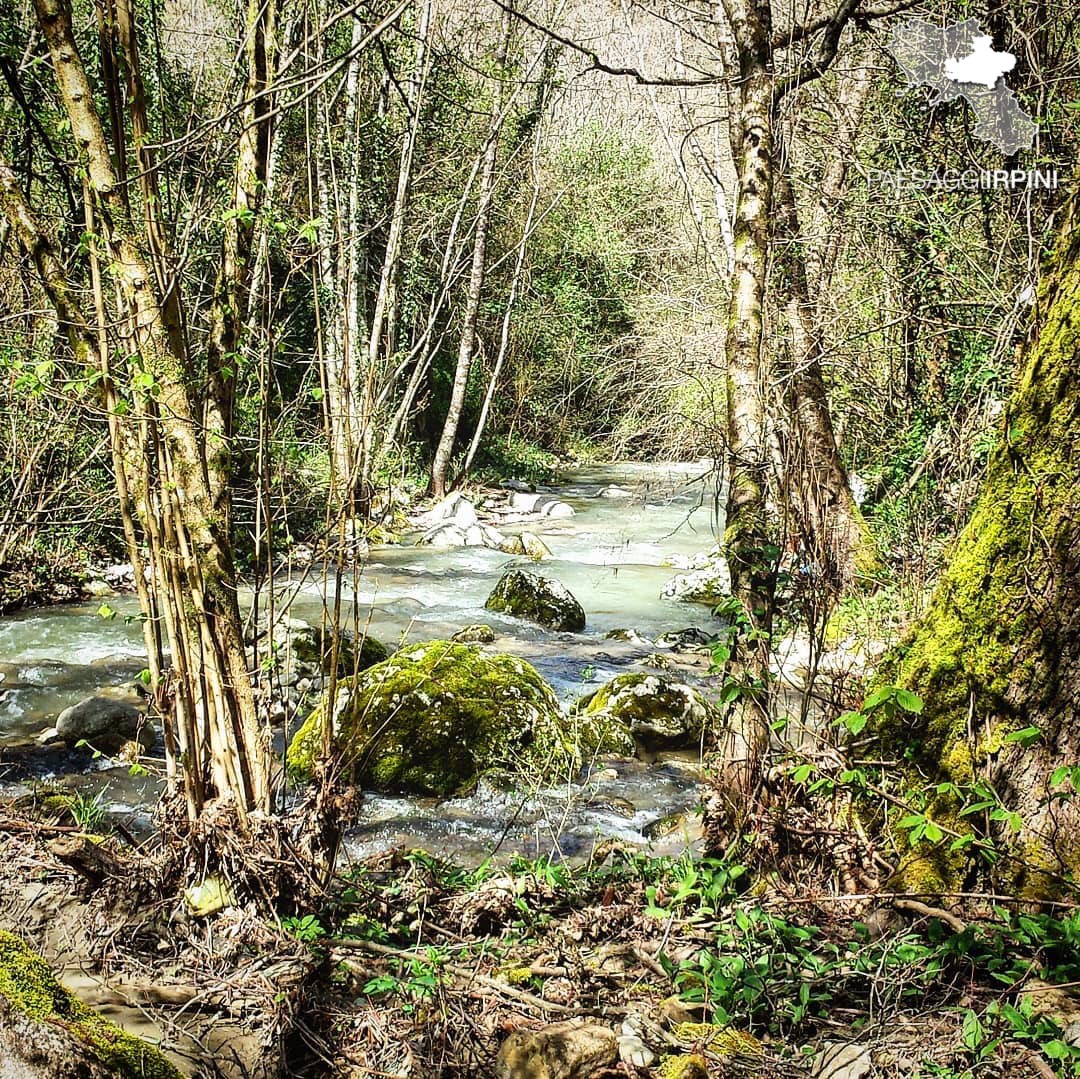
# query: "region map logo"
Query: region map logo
958,60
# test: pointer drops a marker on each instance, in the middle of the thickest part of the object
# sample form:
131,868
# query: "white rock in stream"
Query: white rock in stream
456,508
558,511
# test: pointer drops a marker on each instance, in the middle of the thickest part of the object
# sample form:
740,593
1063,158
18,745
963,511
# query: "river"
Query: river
614,554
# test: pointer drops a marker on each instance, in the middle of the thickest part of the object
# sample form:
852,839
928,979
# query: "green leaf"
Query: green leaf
1026,737
910,702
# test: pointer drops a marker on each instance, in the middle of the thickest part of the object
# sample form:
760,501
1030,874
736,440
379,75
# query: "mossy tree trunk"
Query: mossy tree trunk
998,651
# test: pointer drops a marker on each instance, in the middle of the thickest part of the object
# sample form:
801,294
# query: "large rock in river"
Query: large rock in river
431,718
46,1032
105,722
539,599
657,712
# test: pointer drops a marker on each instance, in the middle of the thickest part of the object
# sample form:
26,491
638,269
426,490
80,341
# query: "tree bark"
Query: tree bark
205,580
832,529
737,763
441,464
998,651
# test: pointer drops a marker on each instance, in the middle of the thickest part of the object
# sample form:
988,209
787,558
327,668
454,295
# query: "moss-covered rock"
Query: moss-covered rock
477,633
314,648
537,599
655,712
432,718
44,1026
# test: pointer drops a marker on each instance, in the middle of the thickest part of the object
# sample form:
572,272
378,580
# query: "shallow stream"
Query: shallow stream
611,555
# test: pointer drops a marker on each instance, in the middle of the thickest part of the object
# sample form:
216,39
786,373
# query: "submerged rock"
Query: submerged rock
431,719
46,1032
570,1050
538,599
657,712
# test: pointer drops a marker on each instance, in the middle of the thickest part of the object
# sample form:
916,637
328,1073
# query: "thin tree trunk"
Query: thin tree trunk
833,531
441,465
234,276
206,574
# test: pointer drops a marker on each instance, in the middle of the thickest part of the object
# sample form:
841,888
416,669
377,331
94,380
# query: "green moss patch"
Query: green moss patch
30,987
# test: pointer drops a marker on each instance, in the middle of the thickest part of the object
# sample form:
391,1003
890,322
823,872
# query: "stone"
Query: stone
709,583
524,503
104,722
630,635
512,545
312,649
475,634
557,511
843,1060
535,547
684,639
1052,1002
568,1050
615,491
46,1032
97,588
431,719
537,599
445,534
633,1051
455,508
658,712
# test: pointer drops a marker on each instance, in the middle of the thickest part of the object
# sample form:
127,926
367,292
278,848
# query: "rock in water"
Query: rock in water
431,718
570,1050
708,580
558,511
477,633
105,722
455,508
46,1032
537,599
535,547
658,712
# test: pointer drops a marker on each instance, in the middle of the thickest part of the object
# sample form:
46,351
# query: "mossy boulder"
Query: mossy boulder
537,599
45,1030
314,648
655,712
431,719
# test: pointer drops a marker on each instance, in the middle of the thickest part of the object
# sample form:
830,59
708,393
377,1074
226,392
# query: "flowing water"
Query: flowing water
611,555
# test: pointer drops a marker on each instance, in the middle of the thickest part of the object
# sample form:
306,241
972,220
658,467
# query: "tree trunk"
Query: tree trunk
195,574
746,538
998,651
832,529
441,465
235,272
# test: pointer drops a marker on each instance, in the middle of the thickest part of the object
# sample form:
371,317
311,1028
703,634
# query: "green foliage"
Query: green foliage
306,929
